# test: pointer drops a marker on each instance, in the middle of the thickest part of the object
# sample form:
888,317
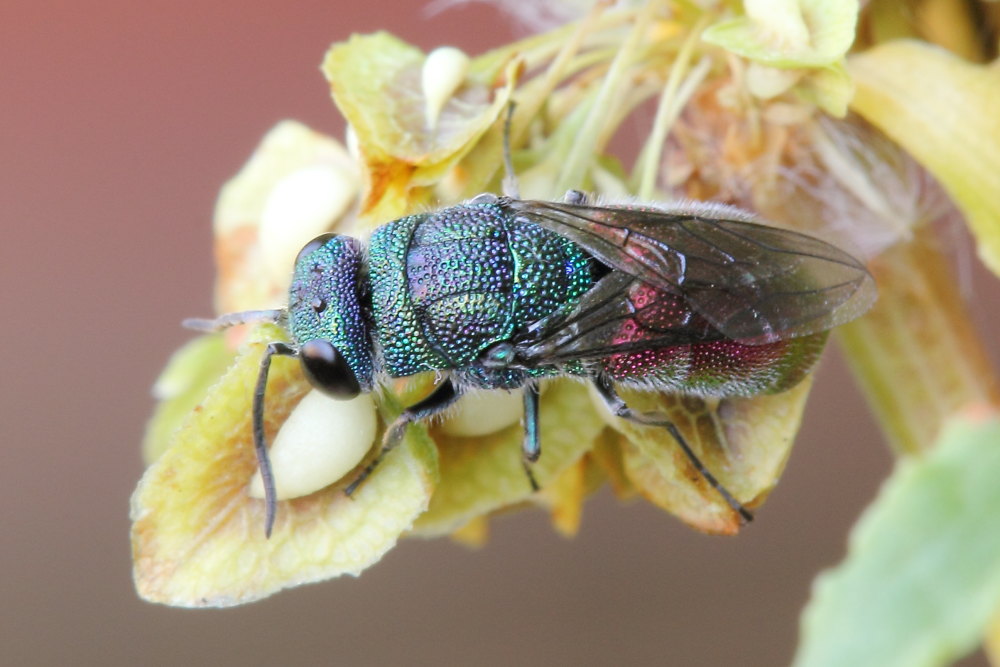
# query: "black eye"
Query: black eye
313,246
328,370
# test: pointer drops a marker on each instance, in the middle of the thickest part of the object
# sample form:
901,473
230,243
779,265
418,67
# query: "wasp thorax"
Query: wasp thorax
326,317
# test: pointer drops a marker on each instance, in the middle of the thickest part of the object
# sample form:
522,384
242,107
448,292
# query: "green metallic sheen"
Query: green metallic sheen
448,285
324,302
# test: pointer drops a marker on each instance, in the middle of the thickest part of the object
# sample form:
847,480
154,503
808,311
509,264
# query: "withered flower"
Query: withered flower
810,113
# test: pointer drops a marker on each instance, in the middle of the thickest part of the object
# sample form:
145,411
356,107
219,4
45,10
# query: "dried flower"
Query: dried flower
765,109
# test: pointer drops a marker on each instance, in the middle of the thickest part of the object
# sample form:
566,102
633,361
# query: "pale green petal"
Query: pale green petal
944,111
922,575
829,88
789,33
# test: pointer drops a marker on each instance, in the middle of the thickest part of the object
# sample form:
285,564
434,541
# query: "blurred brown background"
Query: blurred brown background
118,123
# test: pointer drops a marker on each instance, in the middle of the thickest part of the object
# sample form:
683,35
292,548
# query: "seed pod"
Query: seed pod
484,412
319,443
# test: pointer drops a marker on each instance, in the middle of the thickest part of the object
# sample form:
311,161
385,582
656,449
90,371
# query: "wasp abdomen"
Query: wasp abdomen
673,348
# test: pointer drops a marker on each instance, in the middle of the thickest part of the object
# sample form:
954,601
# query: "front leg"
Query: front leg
619,408
443,397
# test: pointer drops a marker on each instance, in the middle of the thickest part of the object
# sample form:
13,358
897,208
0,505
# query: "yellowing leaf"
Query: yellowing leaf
198,538
564,496
744,442
608,454
922,575
189,375
943,110
473,534
917,354
376,81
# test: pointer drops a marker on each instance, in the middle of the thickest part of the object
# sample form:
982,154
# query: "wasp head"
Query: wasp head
326,317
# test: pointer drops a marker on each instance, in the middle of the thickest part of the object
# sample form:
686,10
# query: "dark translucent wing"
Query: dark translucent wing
619,315
753,283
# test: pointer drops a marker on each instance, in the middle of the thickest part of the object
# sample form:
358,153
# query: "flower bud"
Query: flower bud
484,412
443,73
300,207
320,442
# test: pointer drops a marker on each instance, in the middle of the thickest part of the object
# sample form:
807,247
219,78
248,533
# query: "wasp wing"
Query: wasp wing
752,283
620,314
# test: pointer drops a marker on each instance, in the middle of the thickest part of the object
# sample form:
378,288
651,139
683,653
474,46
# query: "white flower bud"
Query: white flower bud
303,205
319,443
443,73
484,412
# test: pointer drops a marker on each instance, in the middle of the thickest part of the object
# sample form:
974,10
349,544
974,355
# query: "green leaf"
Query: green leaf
922,575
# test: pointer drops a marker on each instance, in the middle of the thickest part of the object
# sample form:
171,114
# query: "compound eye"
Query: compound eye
313,246
328,370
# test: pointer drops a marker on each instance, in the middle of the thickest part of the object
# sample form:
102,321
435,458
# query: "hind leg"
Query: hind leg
619,408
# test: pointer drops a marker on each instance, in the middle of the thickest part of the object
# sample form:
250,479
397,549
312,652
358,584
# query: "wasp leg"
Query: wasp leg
575,197
440,399
259,445
531,449
619,408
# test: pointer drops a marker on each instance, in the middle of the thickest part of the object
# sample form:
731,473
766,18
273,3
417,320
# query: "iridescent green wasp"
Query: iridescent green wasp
501,293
